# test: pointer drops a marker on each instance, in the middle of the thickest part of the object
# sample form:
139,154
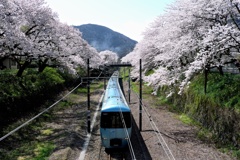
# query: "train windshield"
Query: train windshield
113,120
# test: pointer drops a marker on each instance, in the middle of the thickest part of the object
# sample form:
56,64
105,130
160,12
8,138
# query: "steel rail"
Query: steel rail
124,124
166,149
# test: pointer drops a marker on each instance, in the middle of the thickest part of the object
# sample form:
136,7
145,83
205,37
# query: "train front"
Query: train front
116,126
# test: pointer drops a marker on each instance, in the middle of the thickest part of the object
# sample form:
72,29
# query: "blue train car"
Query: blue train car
116,122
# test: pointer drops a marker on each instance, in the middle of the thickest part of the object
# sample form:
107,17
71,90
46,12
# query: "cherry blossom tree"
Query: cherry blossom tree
12,40
220,42
31,32
191,37
108,57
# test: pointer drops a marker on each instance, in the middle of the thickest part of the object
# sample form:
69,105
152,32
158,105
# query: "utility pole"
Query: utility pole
140,96
129,86
104,71
88,99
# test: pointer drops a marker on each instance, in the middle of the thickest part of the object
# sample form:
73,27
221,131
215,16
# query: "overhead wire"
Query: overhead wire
44,111
38,115
124,123
128,137
166,149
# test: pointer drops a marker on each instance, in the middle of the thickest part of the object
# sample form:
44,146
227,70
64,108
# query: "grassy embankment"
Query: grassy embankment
32,142
216,113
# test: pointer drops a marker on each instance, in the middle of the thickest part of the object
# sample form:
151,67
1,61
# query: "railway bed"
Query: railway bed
145,144
97,151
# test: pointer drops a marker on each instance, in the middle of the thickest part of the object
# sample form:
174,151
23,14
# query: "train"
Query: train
116,117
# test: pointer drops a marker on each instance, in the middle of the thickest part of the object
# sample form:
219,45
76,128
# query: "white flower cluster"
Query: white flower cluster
190,37
31,32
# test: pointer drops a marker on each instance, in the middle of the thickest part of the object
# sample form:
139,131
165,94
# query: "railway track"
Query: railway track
135,149
98,152
112,154
138,150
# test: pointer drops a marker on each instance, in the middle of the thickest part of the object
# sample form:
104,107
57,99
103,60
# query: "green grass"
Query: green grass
93,87
97,85
162,100
223,90
72,99
146,90
47,132
30,151
231,149
124,74
43,150
188,120
81,90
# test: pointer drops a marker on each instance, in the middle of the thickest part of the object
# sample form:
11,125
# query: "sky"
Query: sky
128,17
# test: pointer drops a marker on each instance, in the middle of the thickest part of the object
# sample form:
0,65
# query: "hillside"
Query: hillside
103,38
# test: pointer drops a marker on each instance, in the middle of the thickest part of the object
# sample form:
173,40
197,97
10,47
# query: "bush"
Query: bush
222,89
217,110
20,95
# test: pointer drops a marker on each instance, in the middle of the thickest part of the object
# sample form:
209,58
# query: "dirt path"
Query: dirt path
181,138
71,124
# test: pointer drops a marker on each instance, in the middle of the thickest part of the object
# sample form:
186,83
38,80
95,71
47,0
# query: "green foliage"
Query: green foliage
47,132
135,86
223,90
217,112
145,88
63,104
187,120
97,85
31,82
205,135
26,93
231,149
51,77
235,152
149,72
81,71
81,90
162,100
29,151
43,150
93,87
124,73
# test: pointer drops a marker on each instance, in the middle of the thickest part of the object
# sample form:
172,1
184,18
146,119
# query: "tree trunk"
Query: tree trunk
41,68
237,64
42,65
22,68
220,68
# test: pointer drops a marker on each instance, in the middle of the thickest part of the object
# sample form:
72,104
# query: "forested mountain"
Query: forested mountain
103,38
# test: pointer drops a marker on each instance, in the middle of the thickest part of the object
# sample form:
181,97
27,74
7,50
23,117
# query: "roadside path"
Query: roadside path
181,138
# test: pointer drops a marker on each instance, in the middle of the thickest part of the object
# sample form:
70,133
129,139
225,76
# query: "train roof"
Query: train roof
114,100
115,104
